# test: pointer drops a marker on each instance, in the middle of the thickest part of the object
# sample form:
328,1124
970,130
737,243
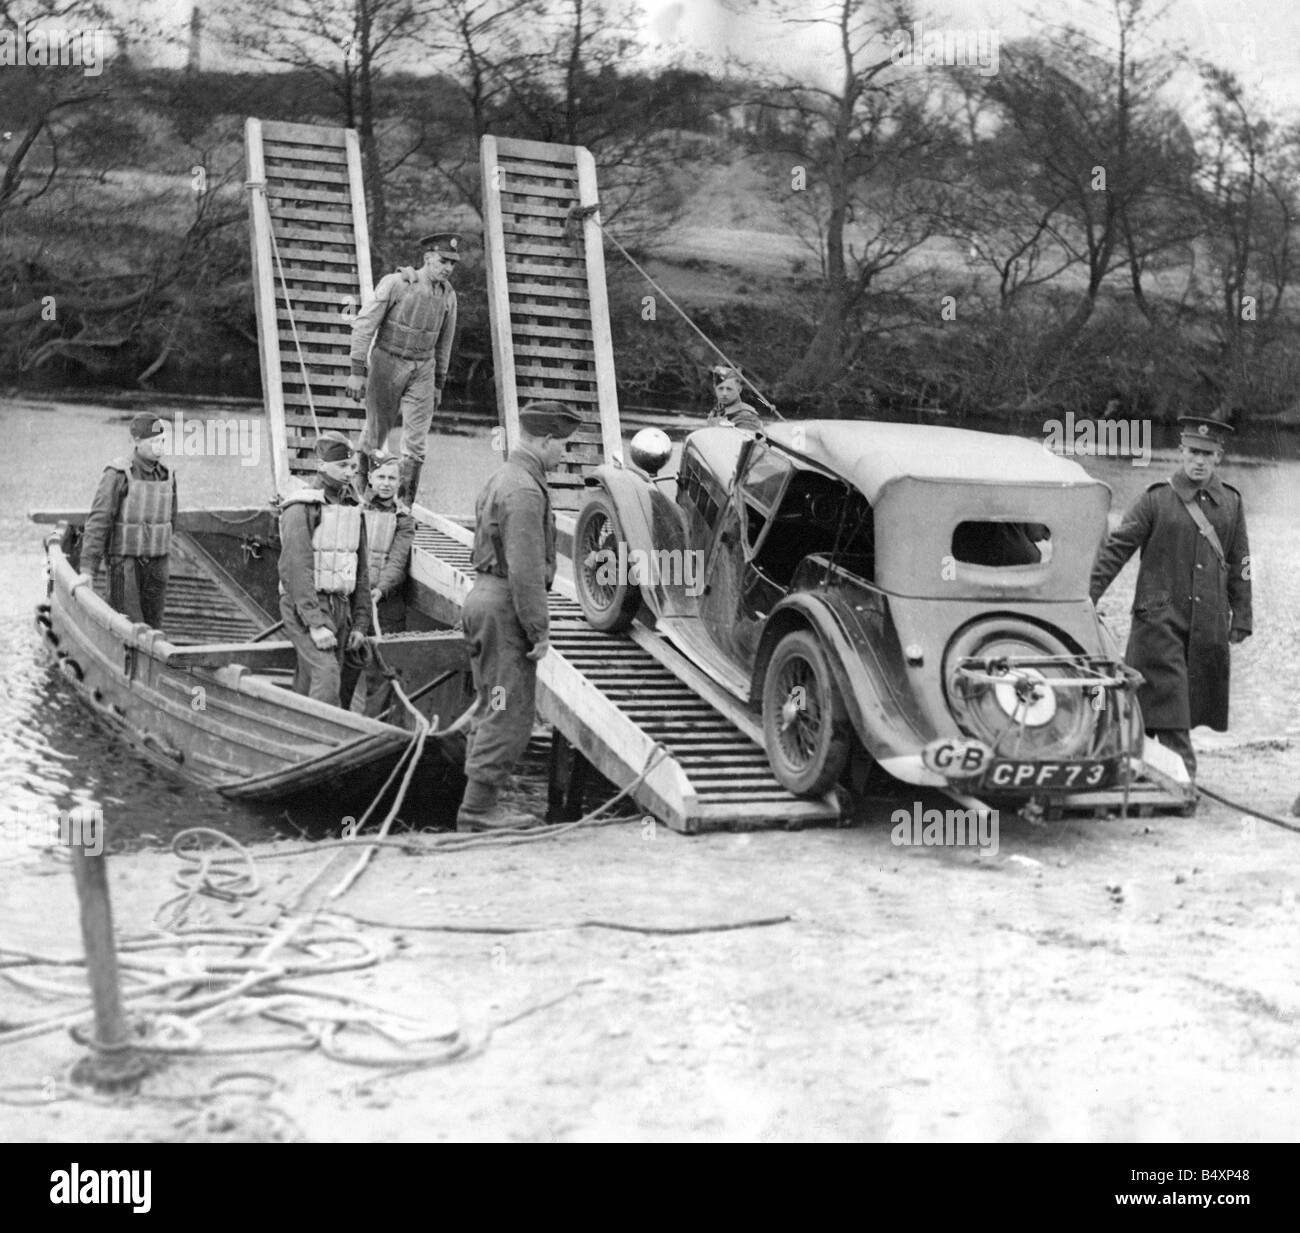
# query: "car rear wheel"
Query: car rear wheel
609,601
806,728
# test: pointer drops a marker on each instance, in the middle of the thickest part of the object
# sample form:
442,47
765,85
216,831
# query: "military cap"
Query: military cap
144,426
333,447
549,419
720,372
381,458
444,243
1200,428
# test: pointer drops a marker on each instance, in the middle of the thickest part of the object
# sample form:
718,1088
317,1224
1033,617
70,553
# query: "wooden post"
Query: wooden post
567,782
114,1064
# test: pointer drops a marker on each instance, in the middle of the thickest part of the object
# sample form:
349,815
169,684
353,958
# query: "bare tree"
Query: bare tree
350,45
867,152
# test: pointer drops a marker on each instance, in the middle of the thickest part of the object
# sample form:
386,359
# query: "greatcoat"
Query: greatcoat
1186,601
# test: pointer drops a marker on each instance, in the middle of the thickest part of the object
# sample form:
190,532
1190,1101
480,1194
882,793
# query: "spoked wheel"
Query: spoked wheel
609,601
805,725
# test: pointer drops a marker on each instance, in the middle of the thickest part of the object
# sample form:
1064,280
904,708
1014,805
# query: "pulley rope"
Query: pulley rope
584,212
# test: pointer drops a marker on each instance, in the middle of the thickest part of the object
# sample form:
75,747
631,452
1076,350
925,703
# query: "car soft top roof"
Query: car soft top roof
870,454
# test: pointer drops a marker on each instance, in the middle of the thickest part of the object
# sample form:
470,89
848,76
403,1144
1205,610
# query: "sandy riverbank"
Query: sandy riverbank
1092,980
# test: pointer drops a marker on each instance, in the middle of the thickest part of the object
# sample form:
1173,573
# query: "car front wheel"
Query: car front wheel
805,725
609,600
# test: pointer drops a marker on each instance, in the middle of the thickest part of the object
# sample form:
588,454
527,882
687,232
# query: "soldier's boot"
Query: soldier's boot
408,482
363,473
480,810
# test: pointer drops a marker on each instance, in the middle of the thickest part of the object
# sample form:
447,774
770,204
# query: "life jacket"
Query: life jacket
411,324
144,519
334,542
334,548
381,527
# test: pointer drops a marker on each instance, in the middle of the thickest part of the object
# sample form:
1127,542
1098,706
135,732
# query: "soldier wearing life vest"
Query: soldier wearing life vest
130,525
390,532
411,323
324,570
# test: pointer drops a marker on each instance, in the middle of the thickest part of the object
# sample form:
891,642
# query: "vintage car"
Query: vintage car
919,591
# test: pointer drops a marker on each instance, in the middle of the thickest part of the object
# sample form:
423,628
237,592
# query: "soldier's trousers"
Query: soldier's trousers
505,682
401,392
362,666
318,672
137,587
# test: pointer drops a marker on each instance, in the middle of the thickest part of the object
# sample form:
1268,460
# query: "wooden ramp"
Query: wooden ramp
547,298
311,273
622,699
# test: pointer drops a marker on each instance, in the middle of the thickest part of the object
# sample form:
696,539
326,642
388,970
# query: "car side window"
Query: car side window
761,488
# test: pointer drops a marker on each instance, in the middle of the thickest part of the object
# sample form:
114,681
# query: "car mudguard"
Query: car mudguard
876,721
648,520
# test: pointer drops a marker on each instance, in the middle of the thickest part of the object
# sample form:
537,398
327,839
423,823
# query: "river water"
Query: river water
55,756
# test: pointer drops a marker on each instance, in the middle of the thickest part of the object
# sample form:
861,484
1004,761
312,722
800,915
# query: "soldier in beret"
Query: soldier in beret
390,533
728,407
324,572
412,324
130,524
505,616
1193,589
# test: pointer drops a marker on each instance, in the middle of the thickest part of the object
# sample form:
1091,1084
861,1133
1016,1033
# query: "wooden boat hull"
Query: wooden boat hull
219,714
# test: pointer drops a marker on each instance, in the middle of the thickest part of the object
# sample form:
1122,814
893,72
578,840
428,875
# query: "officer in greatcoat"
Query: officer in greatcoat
390,532
130,525
1193,589
507,626
412,324
324,571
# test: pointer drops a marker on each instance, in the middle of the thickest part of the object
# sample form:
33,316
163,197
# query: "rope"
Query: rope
589,212
260,186
1271,819
411,755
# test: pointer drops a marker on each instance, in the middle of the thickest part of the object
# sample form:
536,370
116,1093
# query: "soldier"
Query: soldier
1193,589
505,615
324,574
412,322
390,532
728,407
131,519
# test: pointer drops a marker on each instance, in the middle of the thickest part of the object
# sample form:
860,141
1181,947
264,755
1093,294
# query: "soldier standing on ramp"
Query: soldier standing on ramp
1193,589
412,323
505,616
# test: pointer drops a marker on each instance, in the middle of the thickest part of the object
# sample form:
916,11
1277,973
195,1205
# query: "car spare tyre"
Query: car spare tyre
1006,699
806,728
609,600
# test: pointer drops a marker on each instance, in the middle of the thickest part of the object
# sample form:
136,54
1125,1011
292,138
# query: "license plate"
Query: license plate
1070,776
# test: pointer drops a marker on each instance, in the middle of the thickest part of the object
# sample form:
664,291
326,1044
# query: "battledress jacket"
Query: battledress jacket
1186,601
